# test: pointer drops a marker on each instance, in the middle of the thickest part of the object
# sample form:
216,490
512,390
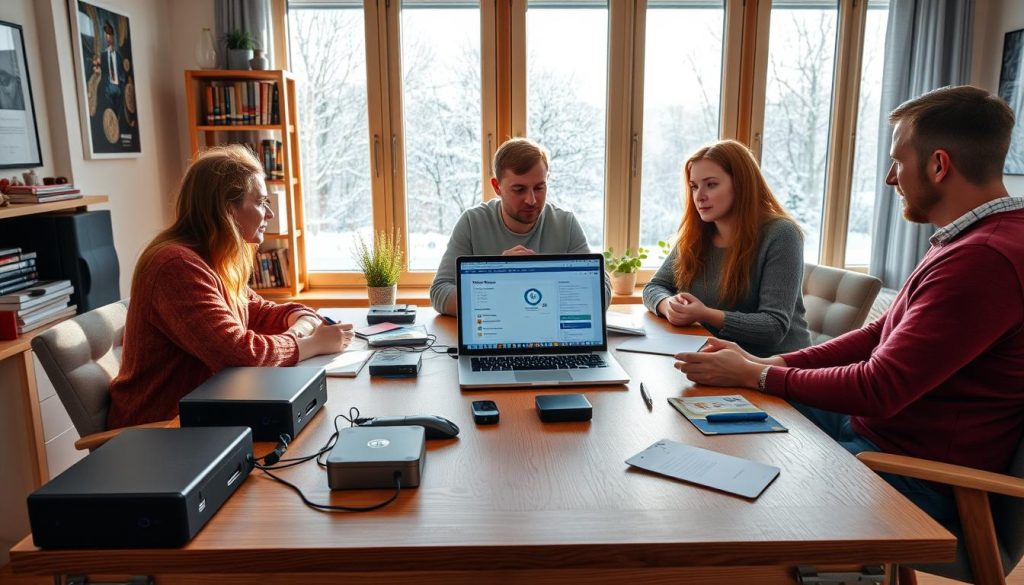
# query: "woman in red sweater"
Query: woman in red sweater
191,312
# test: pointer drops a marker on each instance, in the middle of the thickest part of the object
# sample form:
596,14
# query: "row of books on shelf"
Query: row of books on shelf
271,270
229,103
42,193
35,305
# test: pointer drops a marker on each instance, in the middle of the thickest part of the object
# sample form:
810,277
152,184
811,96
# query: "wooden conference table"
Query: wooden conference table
542,502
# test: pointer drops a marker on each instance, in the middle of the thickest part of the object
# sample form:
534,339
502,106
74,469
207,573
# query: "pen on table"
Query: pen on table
736,417
646,397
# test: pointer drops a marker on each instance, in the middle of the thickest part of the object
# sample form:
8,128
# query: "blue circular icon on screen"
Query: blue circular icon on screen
532,296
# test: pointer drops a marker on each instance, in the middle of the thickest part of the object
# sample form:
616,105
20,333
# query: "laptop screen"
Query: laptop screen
522,304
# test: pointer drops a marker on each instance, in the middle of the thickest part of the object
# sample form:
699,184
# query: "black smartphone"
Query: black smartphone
485,412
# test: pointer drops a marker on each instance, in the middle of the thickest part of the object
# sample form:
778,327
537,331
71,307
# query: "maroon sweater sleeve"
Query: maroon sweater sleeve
853,346
190,308
950,318
271,318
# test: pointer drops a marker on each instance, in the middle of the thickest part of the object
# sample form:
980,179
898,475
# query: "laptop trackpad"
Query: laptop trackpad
543,376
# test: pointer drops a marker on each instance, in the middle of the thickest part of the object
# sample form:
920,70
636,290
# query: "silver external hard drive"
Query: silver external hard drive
370,457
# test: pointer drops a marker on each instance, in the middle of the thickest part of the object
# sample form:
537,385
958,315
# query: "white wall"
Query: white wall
140,189
993,19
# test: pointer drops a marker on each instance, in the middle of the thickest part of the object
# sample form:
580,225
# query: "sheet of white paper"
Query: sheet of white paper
670,344
343,365
715,470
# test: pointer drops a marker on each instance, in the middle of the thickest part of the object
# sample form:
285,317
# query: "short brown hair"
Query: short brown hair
969,123
518,155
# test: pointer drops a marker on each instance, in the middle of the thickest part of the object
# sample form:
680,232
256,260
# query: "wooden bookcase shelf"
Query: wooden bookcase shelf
204,135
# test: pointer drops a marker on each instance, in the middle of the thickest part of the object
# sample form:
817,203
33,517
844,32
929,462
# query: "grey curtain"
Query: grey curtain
250,15
927,46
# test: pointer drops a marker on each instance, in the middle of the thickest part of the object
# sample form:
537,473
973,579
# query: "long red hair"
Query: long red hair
753,206
217,180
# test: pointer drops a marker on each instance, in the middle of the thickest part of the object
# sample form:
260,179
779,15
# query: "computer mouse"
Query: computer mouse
436,427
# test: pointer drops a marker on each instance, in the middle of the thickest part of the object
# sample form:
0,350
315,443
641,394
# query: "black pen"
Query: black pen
328,320
646,397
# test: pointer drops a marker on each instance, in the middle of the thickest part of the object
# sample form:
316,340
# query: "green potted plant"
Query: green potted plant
623,269
381,266
240,45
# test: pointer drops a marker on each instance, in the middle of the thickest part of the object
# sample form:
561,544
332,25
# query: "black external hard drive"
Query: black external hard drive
395,363
272,401
391,314
563,407
143,488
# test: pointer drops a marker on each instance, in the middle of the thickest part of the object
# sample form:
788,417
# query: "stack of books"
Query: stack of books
42,193
39,305
17,270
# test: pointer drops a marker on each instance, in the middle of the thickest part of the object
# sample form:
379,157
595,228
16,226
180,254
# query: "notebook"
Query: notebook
664,344
697,408
346,364
533,321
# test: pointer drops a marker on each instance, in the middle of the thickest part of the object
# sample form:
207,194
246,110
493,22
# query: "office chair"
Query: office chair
990,541
81,356
836,300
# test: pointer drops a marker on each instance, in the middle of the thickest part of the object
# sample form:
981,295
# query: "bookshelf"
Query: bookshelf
204,133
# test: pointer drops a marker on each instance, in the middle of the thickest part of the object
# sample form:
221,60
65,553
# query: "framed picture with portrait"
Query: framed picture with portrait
1011,89
19,137
106,80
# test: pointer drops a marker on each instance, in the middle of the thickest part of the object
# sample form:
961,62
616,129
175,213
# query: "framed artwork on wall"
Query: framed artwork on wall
19,137
1011,89
106,80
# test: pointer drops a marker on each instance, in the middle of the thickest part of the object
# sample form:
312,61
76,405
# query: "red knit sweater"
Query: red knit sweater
941,374
180,331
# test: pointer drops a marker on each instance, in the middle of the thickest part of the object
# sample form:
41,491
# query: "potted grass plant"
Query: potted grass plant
381,265
240,45
623,269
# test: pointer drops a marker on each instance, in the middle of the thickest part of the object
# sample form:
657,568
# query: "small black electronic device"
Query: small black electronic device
563,407
399,364
436,427
144,488
272,401
485,412
391,314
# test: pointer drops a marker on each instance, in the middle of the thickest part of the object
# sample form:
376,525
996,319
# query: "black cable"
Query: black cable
273,462
329,507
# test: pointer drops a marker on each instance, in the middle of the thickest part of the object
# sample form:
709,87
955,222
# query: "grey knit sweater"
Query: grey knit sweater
481,231
770,319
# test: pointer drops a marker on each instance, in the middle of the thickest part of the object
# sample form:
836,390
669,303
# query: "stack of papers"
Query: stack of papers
627,324
406,335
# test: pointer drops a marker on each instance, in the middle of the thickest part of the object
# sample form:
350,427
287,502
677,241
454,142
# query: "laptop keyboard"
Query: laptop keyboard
537,362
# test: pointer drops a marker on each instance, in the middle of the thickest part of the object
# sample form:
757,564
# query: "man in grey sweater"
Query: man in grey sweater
517,222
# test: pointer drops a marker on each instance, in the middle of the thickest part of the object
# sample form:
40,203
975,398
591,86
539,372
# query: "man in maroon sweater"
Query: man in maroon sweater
941,374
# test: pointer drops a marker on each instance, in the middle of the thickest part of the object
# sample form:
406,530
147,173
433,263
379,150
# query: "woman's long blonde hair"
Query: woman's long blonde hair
215,181
753,206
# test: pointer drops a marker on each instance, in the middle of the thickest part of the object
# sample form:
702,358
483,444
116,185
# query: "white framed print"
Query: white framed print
19,135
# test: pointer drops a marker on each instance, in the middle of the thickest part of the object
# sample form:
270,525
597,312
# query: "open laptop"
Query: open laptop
533,321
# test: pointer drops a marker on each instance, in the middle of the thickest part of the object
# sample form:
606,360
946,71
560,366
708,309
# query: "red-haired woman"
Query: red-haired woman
191,312
737,265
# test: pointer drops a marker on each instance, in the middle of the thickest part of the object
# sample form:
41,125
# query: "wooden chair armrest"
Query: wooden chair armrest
90,442
947,473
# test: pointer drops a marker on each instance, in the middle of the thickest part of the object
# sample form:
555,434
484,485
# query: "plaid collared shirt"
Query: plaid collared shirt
947,233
